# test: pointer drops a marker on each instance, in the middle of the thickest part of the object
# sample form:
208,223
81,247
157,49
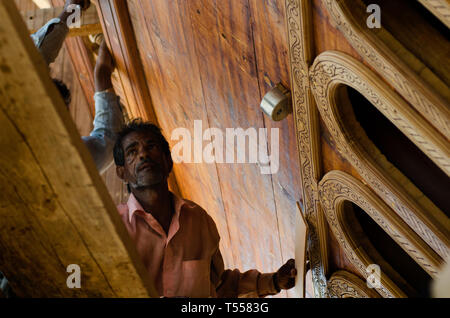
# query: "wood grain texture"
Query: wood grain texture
57,211
209,64
234,98
272,62
171,69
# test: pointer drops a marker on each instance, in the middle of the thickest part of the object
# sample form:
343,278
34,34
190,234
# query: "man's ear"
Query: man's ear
120,171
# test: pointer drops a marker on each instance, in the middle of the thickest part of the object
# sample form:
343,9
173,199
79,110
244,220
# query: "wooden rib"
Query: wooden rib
299,28
331,69
55,209
394,68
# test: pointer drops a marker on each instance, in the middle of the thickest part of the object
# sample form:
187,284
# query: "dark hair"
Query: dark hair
63,90
138,125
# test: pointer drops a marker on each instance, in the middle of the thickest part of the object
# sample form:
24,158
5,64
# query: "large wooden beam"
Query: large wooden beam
54,208
89,23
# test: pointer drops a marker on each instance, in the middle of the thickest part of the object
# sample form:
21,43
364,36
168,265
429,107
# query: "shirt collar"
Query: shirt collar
134,206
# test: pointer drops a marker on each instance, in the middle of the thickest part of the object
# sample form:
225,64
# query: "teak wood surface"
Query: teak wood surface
55,209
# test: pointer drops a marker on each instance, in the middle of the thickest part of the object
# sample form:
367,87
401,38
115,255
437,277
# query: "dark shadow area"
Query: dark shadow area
386,253
418,30
402,152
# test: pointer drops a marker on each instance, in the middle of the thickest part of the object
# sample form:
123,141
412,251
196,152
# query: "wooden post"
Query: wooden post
54,208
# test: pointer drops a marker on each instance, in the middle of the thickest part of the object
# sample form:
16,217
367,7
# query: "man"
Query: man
176,239
108,113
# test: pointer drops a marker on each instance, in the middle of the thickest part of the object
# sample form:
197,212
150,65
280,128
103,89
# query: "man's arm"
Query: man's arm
50,38
233,283
108,113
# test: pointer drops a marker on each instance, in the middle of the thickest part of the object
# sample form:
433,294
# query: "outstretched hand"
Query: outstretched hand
285,277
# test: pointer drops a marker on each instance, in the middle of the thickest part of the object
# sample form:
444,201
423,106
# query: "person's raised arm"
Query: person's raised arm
108,112
50,38
252,283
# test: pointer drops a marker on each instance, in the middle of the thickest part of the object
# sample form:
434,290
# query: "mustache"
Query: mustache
146,161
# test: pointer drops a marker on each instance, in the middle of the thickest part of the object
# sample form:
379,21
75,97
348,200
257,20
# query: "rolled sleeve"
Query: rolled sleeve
107,123
233,283
266,285
49,43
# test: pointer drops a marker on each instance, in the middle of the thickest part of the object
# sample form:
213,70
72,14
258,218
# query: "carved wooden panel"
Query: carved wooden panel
390,65
307,132
332,69
414,101
337,187
343,284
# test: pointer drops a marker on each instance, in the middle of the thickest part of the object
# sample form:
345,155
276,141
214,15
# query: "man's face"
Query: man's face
146,164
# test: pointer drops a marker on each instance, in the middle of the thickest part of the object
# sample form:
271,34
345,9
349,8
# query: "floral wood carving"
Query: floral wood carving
336,188
330,71
343,284
433,107
299,26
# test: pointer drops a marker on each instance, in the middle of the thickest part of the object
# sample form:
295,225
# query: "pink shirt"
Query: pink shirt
187,262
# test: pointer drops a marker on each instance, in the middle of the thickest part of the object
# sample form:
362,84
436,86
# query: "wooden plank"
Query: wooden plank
172,71
89,24
226,58
55,210
272,60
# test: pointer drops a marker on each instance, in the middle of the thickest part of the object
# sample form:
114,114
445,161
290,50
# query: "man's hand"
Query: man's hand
284,278
103,68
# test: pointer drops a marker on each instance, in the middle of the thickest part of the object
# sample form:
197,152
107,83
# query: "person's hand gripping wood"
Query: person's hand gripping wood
284,278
